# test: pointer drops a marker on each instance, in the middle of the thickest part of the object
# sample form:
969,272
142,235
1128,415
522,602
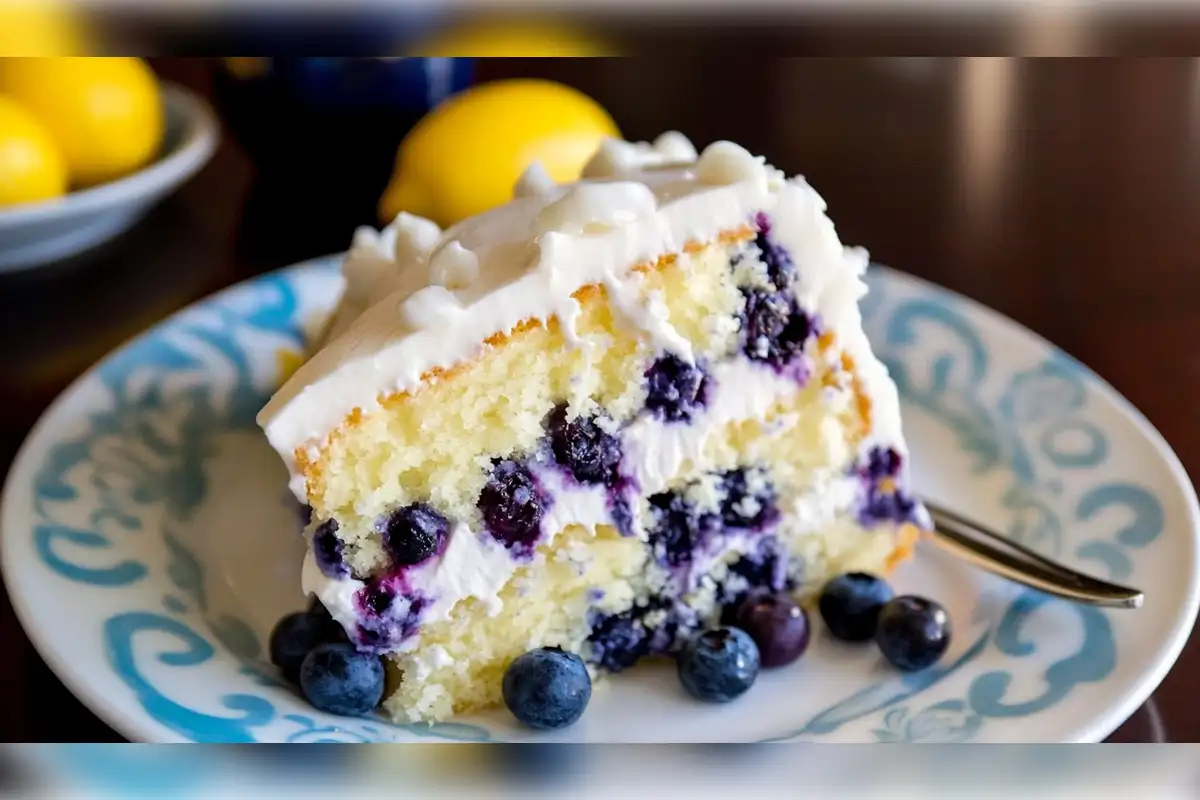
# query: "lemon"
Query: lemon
105,113
466,154
529,39
31,168
40,28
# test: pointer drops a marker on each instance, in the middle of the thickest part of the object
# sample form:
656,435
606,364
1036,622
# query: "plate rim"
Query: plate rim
139,727
1103,725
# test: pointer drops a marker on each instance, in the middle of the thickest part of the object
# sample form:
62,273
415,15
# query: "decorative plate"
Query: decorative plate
149,544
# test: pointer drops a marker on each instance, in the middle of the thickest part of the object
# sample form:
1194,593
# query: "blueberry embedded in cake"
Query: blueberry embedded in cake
597,423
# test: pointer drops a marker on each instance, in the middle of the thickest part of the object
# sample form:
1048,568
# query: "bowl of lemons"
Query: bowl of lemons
87,147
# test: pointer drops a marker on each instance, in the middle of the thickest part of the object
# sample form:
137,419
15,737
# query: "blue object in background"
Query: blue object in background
357,85
279,108
323,135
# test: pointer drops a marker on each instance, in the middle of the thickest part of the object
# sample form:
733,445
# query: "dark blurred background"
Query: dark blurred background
1065,193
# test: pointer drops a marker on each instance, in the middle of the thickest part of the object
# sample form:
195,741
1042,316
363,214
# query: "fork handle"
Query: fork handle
962,537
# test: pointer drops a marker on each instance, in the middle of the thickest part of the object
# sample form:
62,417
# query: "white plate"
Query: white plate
38,233
149,544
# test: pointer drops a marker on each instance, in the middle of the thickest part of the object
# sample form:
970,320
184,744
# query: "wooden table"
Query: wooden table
1065,194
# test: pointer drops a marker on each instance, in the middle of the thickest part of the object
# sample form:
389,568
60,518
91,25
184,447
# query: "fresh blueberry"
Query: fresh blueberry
679,529
748,500
317,609
719,665
327,550
414,533
581,446
296,635
321,616
547,688
762,570
913,632
513,505
675,389
777,625
293,638
774,329
338,679
850,605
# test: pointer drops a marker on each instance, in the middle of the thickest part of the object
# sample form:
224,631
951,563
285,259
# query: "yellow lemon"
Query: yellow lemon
465,155
105,113
31,168
40,28
505,39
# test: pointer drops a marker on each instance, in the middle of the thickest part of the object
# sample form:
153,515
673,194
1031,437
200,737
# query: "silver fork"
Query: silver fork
999,554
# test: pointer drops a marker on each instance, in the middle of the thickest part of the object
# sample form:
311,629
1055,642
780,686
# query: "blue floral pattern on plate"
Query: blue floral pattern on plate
105,502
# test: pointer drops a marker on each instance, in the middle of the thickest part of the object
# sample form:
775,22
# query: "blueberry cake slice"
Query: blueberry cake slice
593,419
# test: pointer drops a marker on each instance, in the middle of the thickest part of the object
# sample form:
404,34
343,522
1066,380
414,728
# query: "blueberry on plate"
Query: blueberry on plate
850,605
297,635
547,688
318,610
913,632
719,665
338,679
778,626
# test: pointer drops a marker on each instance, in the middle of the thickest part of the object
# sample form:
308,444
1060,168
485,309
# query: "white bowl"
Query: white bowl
38,233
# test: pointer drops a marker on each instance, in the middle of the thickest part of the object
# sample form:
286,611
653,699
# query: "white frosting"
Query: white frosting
743,390
337,595
573,504
527,258
373,264
534,181
616,157
415,237
674,148
593,208
453,266
473,565
725,162
431,307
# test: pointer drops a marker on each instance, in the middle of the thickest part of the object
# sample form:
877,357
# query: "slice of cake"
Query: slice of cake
591,419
